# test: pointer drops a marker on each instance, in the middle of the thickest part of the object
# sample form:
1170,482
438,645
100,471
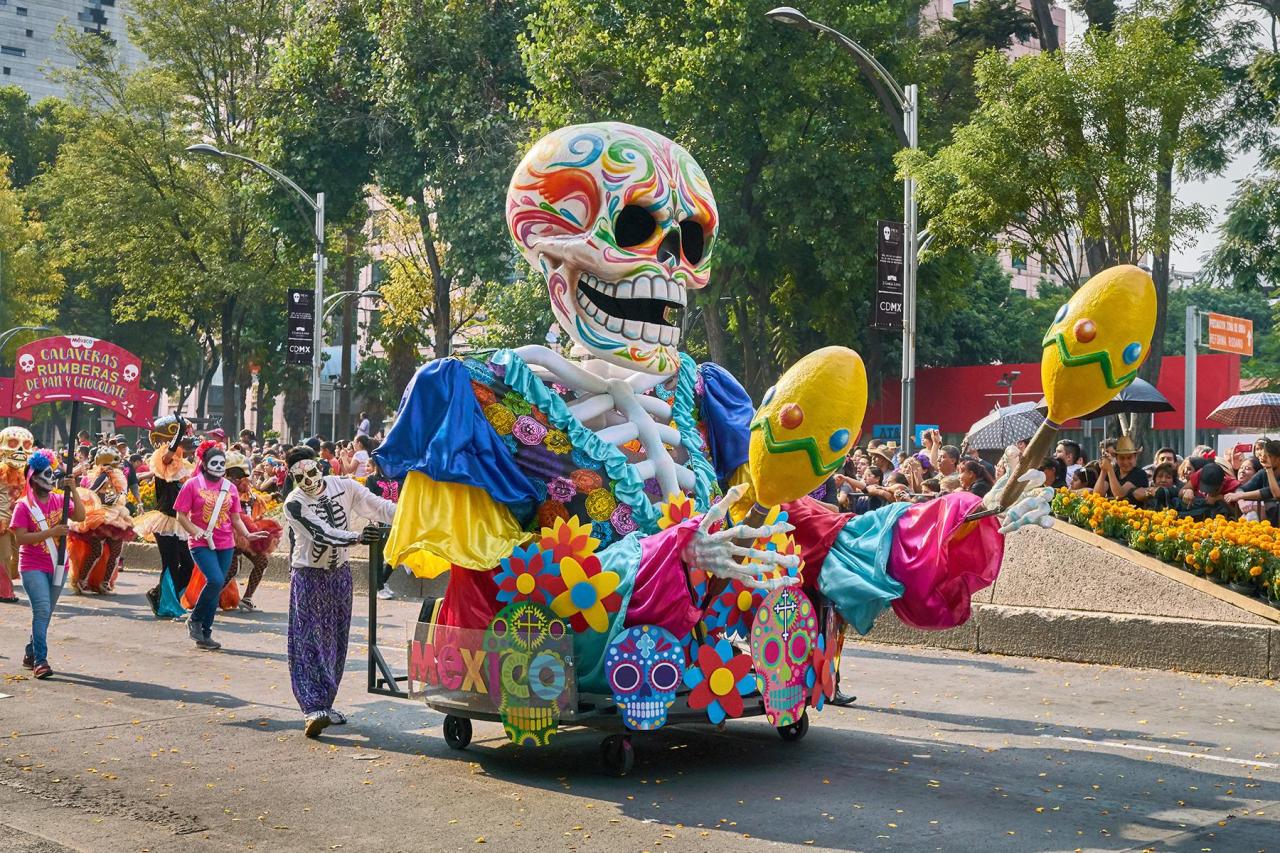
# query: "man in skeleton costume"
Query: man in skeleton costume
320,511
622,224
16,445
171,466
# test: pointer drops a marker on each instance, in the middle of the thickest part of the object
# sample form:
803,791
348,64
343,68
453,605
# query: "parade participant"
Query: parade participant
209,510
170,467
106,527
16,445
318,512
257,552
37,523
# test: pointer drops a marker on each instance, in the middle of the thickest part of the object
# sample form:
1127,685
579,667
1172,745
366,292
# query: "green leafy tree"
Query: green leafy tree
28,134
1248,252
31,280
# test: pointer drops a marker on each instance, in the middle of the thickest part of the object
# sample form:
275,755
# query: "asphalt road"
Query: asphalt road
141,742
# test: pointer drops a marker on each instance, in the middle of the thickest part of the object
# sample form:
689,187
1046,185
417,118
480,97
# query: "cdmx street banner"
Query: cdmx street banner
75,367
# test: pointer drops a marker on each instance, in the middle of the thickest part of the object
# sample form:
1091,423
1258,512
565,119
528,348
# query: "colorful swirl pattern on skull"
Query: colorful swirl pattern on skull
622,223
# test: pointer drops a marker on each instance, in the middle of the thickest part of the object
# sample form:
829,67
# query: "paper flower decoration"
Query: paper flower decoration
678,508
568,537
719,679
589,595
529,574
821,676
733,611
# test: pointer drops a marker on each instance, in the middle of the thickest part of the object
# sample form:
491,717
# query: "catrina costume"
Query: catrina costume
170,468
16,445
95,544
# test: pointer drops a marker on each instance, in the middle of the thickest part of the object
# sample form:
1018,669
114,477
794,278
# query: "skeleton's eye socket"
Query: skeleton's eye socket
665,676
625,678
693,241
634,226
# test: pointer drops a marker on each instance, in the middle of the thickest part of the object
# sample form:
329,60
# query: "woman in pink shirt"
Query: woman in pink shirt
208,508
37,524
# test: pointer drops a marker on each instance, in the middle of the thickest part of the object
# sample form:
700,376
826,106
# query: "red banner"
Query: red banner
75,367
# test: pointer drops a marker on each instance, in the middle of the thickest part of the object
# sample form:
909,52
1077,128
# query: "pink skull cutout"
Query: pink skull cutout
782,641
622,224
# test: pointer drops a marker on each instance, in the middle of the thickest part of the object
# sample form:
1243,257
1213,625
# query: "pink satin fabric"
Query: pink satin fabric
661,595
940,575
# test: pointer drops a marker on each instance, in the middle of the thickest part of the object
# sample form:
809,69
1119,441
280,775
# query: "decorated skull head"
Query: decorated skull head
130,372
27,362
644,667
782,641
531,645
308,477
622,223
16,444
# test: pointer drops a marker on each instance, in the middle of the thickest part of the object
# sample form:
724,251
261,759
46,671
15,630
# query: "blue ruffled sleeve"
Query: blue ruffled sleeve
726,411
855,573
441,431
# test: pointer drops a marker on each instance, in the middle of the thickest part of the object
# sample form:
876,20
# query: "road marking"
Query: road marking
1161,750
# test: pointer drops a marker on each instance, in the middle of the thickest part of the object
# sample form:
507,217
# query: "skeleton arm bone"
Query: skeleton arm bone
563,370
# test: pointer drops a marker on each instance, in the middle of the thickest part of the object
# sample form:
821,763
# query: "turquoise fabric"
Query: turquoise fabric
170,606
855,574
705,486
589,647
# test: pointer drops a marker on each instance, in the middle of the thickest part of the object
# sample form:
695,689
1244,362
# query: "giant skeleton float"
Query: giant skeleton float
628,541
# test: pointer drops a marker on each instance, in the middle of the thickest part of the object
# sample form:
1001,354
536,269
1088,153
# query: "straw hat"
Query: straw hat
884,460
1125,446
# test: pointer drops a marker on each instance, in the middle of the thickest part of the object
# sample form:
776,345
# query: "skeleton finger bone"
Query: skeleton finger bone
742,531
787,561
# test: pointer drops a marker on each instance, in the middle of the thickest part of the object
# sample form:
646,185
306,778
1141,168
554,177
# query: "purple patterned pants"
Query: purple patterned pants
319,624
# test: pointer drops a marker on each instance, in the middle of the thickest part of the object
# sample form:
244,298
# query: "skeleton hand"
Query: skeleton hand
371,534
717,554
1032,508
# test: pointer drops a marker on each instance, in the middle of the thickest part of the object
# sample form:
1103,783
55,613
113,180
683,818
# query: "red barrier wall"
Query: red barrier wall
955,397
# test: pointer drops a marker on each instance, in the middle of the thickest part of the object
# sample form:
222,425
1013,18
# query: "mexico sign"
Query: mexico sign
78,368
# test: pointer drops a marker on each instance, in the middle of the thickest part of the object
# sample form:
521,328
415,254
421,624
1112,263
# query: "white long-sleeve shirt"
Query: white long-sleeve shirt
319,526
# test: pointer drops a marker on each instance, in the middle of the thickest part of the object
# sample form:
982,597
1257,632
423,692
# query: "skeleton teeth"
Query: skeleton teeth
650,333
679,295
659,289
666,335
643,288
631,329
624,290
613,324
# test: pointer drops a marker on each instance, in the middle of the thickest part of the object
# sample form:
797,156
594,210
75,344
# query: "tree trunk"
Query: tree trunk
1046,30
348,336
402,361
717,347
260,403
442,325
230,367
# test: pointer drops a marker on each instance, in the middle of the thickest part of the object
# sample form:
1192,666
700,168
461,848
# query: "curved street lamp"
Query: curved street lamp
900,103
317,205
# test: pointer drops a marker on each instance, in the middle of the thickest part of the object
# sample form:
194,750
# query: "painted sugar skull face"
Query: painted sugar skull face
16,444
782,641
644,667
530,643
308,477
622,223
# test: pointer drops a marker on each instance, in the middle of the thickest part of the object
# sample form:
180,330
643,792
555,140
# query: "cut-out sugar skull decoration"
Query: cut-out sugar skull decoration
27,362
622,224
130,372
644,666
782,641
530,645
16,444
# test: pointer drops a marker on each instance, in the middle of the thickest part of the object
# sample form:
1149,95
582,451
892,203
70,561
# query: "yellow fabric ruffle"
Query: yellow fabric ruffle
442,524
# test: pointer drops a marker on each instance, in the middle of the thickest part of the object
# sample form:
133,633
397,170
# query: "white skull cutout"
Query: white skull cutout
782,640
130,372
644,666
27,362
622,224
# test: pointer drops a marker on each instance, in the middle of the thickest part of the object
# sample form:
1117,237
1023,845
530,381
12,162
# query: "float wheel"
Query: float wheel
617,754
796,731
457,731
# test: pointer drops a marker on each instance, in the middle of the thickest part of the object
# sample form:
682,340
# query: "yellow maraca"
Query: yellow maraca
1098,340
806,424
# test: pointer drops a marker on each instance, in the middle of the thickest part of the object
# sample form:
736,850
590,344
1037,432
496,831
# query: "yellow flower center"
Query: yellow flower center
744,601
721,681
525,584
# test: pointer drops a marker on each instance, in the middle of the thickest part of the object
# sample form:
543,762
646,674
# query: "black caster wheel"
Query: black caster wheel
796,731
457,731
617,754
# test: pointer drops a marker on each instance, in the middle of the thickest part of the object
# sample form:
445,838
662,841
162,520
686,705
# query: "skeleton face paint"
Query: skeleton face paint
308,477
214,465
622,223
46,480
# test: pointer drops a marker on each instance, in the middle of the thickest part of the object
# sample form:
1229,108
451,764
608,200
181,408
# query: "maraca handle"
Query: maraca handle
715,586
1044,439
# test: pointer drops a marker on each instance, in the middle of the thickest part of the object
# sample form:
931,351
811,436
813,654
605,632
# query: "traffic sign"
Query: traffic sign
301,313
1230,334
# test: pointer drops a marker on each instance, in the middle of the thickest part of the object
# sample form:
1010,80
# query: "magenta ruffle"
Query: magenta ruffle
661,594
940,575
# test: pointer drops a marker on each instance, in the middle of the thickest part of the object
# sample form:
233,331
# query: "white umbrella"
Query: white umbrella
1005,426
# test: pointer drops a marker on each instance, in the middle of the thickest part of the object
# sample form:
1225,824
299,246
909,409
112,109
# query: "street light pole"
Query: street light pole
317,234
896,100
